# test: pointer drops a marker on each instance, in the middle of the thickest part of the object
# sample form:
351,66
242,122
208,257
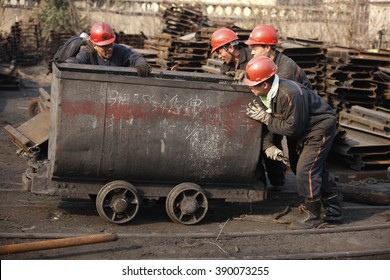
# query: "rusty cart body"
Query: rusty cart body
175,135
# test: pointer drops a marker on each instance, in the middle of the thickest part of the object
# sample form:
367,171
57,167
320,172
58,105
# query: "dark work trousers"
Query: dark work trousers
276,170
292,154
312,178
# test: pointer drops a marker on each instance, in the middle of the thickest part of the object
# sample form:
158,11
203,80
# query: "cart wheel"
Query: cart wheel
33,108
118,202
186,204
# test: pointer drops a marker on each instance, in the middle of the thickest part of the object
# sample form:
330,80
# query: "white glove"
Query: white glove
275,153
256,112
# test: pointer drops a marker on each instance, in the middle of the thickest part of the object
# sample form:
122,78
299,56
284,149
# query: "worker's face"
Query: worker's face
225,55
260,50
105,52
260,89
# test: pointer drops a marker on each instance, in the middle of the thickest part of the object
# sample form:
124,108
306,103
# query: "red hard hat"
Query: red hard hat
222,37
262,35
101,34
259,69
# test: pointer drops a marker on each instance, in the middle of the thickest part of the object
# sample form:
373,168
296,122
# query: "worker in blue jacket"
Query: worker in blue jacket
107,53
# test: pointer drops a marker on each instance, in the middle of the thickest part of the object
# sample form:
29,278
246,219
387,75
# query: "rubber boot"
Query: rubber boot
310,215
333,208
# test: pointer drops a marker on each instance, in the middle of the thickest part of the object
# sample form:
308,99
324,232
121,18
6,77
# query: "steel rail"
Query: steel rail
340,229
324,255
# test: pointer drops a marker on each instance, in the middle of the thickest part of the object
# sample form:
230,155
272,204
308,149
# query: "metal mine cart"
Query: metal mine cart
124,139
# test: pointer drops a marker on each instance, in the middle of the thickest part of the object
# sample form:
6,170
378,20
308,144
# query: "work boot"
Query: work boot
310,215
333,208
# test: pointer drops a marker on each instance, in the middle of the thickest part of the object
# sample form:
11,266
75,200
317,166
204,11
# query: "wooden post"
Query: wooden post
57,243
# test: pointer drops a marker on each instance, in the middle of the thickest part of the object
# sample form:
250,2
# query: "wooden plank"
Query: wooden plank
32,133
45,95
37,128
19,139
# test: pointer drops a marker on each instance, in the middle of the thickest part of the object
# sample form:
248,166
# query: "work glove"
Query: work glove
275,153
240,75
143,70
230,73
256,112
237,75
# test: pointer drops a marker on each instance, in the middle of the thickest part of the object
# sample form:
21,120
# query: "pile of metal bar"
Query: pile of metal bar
213,66
183,54
352,79
5,49
310,55
382,79
56,40
363,141
132,40
26,43
180,20
149,54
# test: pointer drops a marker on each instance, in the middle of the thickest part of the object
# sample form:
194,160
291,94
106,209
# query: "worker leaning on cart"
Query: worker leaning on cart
296,112
107,53
262,41
225,43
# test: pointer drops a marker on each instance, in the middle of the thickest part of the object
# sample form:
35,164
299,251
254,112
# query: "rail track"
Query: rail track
232,231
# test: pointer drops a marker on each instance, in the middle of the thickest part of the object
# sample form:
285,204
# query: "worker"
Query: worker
262,41
106,52
224,42
234,55
294,111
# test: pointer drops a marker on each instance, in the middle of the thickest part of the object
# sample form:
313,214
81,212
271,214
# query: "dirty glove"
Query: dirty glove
240,75
143,70
230,73
256,112
237,75
275,153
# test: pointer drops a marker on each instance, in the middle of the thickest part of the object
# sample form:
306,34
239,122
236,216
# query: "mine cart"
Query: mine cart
179,136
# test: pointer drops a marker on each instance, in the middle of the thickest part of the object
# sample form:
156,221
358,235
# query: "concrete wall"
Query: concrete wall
333,22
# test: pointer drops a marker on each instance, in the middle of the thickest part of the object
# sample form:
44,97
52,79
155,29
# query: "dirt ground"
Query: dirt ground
230,231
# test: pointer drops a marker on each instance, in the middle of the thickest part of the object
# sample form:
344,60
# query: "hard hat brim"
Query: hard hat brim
250,83
251,42
103,43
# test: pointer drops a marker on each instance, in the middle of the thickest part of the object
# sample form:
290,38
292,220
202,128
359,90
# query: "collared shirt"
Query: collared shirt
271,94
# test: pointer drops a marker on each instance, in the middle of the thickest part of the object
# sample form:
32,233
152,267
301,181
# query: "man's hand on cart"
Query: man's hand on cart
275,153
256,112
